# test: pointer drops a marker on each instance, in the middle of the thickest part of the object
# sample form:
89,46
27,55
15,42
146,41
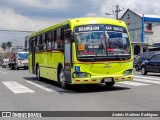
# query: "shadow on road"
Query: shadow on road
75,89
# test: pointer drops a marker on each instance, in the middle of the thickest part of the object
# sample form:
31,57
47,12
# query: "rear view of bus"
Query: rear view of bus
103,52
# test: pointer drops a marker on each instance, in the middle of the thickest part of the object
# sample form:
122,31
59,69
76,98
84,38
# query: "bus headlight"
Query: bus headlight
128,72
81,75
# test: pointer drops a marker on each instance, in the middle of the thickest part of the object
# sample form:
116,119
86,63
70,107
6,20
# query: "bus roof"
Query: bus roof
82,21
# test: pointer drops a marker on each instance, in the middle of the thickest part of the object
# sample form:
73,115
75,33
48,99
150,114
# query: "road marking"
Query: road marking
117,85
148,81
133,83
147,78
16,87
3,72
40,86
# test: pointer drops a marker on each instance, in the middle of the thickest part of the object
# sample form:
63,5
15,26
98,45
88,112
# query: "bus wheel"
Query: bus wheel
62,79
38,73
110,84
143,71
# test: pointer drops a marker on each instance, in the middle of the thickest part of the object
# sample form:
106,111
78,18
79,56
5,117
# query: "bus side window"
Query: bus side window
49,40
43,43
59,39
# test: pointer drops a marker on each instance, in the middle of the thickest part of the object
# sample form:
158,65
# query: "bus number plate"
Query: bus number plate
107,79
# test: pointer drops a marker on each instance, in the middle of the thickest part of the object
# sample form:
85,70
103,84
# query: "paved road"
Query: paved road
20,91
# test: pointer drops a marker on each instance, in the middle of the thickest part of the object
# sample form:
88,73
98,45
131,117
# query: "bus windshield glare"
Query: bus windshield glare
102,40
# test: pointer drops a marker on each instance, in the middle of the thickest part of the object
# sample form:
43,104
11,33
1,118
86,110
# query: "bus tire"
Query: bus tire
12,67
143,70
38,76
61,79
110,84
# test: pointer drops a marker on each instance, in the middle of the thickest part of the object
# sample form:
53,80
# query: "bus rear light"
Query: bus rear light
94,80
129,77
123,78
85,80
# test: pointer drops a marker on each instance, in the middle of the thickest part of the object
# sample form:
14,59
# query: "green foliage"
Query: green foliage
9,44
5,45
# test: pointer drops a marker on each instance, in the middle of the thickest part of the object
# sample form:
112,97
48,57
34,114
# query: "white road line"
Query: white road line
40,86
118,85
3,72
16,87
147,78
133,83
147,81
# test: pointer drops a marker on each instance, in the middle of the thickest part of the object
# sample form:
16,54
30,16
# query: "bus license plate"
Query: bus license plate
107,79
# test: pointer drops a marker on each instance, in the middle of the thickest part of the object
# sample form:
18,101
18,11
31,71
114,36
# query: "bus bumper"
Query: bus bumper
102,79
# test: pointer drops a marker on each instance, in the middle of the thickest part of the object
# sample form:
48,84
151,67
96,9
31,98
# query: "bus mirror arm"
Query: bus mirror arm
71,55
71,37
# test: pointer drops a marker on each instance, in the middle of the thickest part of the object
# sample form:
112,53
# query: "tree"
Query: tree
9,44
4,46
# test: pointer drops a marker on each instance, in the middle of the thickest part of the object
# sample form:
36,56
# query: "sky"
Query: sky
34,15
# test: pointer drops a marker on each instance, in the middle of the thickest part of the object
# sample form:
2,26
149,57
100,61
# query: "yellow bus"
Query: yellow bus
82,51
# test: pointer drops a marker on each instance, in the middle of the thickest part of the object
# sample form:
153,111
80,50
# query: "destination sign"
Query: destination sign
114,28
100,28
89,28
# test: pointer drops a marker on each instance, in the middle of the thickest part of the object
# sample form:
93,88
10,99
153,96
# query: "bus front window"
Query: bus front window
90,43
102,42
117,43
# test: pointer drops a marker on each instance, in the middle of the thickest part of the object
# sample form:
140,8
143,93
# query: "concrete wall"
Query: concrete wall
153,37
135,26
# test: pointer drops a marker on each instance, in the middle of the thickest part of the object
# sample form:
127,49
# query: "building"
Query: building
26,43
144,30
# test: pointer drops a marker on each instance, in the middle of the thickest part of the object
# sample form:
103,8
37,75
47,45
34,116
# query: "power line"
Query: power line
116,11
16,30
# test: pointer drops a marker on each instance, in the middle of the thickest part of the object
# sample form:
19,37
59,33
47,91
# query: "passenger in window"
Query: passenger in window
59,43
103,41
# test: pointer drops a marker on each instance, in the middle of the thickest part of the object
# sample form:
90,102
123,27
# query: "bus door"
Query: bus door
33,54
67,56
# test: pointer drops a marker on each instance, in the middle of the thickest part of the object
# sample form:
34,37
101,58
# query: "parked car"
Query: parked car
142,57
152,64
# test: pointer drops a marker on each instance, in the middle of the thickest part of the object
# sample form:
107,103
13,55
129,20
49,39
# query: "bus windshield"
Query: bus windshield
22,55
102,40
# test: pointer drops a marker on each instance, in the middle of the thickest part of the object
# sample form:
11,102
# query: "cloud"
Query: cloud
12,21
38,14
91,15
138,6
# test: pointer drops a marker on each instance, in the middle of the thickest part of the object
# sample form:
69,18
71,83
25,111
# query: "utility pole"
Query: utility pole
116,11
